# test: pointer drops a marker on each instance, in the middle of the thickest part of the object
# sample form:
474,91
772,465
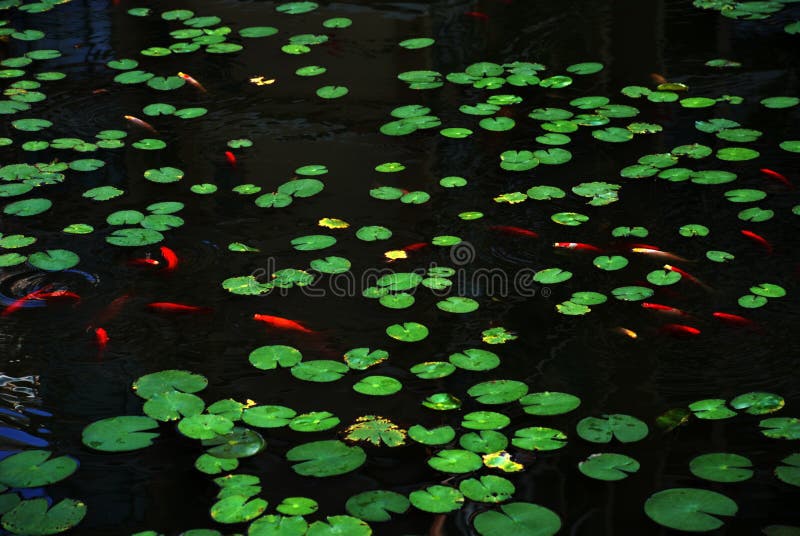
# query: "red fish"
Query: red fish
111,311
734,320
686,275
170,307
416,246
40,294
777,176
145,261
480,15
281,323
231,158
170,257
680,330
142,124
663,308
516,231
101,337
658,253
192,81
577,246
644,246
759,240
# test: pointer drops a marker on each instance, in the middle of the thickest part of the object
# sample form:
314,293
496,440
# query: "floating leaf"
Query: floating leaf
377,505
608,466
721,467
33,468
689,509
32,517
624,428
120,434
325,458
518,518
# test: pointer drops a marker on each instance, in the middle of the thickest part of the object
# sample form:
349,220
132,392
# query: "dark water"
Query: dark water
54,383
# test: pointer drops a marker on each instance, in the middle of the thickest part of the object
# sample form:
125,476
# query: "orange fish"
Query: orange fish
101,337
145,261
111,311
680,330
142,124
480,15
777,176
416,246
191,81
759,240
686,275
40,294
577,246
627,332
663,308
281,323
516,231
658,78
734,320
170,307
658,253
231,158
170,257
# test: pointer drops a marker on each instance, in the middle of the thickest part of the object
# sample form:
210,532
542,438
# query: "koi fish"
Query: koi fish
281,323
99,91
777,176
145,261
759,240
734,320
658,78
40,294
480,15
658,253
170,307
516,231
577,246
680,330
139,123
101,337
192,82
686,275
416,246
231,158
663,308
170,257
112,310
627,332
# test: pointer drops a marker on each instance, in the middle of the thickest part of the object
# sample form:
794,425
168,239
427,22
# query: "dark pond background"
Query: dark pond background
51,365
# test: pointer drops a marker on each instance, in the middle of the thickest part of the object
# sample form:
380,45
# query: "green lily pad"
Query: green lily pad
689,509
518,518
320,370
54,260
377,505
32,517
549,403
120,434
624,428
437,499
608,466
721,467
407,332
33,468
28,207
166,381
325,458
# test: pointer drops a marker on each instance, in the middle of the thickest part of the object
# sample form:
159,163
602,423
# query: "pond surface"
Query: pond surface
617,357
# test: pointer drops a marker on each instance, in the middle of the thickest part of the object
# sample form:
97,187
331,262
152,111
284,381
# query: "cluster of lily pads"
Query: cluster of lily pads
749,10
475,451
